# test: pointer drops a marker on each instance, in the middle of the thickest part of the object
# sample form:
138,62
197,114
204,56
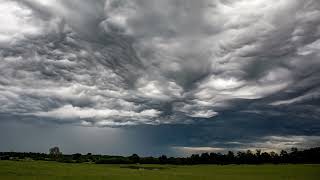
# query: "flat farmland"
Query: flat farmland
27,170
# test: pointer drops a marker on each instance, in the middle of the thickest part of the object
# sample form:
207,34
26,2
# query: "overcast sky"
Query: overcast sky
159,77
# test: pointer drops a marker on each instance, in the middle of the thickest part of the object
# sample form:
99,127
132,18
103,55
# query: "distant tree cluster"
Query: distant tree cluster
309,156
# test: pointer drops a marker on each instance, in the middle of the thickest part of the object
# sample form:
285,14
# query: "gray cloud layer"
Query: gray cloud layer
134,62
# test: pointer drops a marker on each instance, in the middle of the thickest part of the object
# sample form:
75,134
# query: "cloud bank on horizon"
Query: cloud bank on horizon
116,63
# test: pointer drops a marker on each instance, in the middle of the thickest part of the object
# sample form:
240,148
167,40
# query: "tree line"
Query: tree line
295,156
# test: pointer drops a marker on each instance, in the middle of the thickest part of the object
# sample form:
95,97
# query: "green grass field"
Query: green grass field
52,170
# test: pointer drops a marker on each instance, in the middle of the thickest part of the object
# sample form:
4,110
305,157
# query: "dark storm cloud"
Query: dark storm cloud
138,62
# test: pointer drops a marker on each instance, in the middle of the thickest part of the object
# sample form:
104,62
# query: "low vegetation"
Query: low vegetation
309,156
30,170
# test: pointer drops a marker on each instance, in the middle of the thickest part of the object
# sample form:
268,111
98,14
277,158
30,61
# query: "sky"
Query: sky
155,77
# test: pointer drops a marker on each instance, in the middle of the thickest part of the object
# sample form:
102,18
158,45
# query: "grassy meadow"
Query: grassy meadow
27,170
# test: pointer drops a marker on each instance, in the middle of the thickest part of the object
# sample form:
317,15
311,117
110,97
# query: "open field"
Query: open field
52,170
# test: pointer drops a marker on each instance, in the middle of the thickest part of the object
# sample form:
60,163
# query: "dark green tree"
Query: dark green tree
55,152
134,158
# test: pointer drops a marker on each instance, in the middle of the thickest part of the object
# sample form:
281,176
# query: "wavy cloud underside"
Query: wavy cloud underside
132,62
